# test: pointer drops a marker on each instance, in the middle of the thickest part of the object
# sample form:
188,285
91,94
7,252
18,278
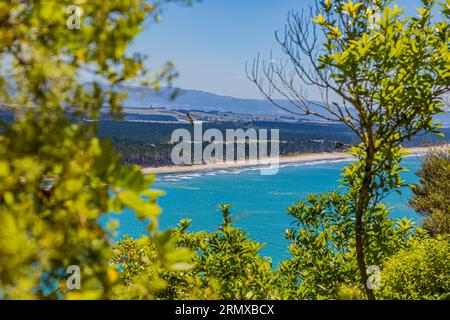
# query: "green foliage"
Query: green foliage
320,246
227,265
346,292
230,259
431,195
380,72
145,274
323,263
393,70
57,180
390,67
421,271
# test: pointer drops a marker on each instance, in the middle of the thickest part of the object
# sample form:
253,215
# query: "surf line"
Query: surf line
234,147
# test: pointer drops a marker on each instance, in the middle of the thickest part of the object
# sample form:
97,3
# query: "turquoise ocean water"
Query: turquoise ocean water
259,202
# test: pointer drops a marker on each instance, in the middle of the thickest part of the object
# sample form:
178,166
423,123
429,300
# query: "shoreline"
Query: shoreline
282,160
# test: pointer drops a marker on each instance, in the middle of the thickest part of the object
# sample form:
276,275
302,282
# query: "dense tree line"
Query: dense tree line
148,144
431,195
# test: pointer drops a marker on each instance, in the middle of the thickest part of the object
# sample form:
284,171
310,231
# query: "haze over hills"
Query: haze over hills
188,99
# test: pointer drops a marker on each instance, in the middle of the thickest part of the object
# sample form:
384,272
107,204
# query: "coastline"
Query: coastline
286,159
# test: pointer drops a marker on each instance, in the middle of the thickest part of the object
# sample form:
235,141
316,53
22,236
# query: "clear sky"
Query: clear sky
211,41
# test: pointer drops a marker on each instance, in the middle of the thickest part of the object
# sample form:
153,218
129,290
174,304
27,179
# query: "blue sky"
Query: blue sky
211,41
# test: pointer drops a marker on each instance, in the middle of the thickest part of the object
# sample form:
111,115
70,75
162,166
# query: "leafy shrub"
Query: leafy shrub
227,266
57,179
323,261
144,275
421,271
431,197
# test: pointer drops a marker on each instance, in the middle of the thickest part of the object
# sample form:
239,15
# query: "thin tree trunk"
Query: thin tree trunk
362,203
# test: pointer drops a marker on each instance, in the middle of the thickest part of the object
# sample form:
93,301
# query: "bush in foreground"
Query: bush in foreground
421,271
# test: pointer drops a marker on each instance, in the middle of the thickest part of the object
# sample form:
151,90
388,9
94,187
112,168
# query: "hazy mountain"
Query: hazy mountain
206,101
201,100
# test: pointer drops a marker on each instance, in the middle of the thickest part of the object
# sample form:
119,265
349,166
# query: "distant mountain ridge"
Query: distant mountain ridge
201,100
189,99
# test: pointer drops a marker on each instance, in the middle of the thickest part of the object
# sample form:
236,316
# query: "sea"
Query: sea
259,202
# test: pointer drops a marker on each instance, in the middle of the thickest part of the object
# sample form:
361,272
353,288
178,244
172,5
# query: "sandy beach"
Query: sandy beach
287,159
